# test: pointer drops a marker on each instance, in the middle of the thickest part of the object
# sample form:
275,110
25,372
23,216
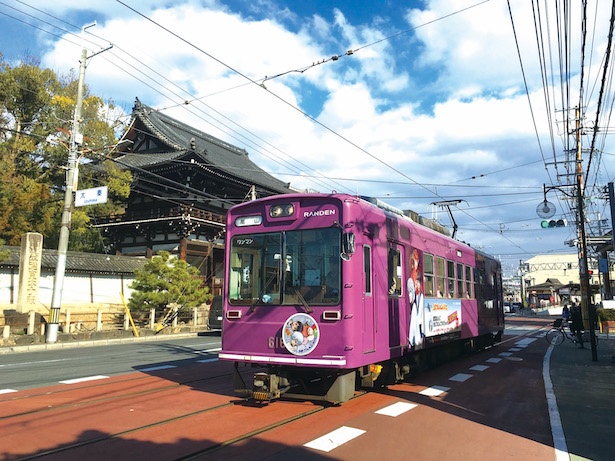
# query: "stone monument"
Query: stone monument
29,272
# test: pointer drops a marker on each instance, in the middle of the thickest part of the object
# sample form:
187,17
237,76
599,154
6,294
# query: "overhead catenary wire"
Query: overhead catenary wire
440,186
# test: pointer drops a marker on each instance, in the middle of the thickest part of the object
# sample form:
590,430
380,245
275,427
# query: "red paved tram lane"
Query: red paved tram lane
489,405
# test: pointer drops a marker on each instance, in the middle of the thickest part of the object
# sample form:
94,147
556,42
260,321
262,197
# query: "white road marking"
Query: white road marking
479,367
396,409
159,367
82,380
557,430
515,349
204,351
525,342
494,360
434,391
460,377
505,354
207,360
7,391
521,327
334,439
28,364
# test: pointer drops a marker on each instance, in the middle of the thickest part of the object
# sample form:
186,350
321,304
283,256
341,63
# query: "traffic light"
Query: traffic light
553,223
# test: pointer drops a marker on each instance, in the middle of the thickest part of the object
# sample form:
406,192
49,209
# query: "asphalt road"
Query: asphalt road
26,370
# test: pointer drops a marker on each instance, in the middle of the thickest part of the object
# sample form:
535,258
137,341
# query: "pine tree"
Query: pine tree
165,280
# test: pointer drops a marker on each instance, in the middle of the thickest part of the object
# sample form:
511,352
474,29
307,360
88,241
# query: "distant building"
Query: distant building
554,279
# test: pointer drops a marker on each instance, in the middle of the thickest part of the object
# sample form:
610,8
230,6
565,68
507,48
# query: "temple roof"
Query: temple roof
80,262
176,140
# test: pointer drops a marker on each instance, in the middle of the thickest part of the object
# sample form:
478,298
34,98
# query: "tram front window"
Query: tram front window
286,268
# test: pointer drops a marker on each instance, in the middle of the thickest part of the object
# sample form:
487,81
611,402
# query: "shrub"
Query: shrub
605,314
165,280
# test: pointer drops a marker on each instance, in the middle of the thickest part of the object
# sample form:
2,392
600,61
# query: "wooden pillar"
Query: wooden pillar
183,248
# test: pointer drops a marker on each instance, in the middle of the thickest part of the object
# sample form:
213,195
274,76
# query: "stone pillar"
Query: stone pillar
29,271
31,319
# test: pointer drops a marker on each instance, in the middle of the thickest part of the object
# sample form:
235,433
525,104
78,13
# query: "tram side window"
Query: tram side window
367,268
440,277
469,283
428,274
460,292
394,279
450,272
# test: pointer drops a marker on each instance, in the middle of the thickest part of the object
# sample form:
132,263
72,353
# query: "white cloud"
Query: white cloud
418,114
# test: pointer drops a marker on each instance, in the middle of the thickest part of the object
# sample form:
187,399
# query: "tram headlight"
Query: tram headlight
282,211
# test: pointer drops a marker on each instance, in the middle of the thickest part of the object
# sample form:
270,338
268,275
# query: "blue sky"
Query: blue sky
431,104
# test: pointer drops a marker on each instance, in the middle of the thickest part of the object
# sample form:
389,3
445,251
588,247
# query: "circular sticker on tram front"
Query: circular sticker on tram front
300,334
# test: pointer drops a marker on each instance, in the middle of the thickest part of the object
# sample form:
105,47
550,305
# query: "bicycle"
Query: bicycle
558,334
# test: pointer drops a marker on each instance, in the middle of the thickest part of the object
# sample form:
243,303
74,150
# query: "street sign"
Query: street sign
92,196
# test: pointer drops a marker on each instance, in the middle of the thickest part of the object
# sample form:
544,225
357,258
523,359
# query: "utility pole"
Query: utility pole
588,311
521,284
76,139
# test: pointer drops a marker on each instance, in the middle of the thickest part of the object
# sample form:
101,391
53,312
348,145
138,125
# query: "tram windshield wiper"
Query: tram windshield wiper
254,304
307,307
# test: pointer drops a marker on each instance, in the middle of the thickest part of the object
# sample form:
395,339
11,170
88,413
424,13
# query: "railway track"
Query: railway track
94,419
185,413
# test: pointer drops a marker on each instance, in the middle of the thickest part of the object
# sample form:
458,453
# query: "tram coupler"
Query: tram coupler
268,387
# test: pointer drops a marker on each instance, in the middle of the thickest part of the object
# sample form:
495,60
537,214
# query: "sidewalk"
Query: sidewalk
585,394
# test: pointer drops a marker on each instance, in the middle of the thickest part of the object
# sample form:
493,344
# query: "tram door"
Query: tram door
369,324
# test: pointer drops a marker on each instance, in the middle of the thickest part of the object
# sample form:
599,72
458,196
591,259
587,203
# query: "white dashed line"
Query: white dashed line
434,391
160,367
479,367
82,380
460,377
396,409
205,351
515,349
505,354
7,391
334,439
494,360
207,360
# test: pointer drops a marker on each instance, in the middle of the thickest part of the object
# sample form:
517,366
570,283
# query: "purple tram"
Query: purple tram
329,293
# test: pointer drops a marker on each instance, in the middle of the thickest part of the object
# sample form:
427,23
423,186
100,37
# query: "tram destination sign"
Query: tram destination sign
92,196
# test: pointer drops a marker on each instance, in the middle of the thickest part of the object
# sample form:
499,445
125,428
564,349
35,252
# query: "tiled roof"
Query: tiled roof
81,262
213,152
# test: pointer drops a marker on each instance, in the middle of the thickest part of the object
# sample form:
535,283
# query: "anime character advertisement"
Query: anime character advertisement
416,329
300,334
442,316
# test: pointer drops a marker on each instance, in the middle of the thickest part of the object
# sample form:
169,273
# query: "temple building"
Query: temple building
185,181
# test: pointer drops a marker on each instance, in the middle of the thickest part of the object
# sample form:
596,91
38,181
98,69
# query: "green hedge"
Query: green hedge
605,314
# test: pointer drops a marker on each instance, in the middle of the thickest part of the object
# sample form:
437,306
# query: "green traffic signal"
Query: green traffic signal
553,223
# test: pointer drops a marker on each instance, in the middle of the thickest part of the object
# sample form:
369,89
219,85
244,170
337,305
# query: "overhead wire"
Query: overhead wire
265,152
292,106
433,192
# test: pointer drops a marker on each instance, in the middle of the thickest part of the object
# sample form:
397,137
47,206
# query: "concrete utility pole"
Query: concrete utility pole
588,311
76,139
